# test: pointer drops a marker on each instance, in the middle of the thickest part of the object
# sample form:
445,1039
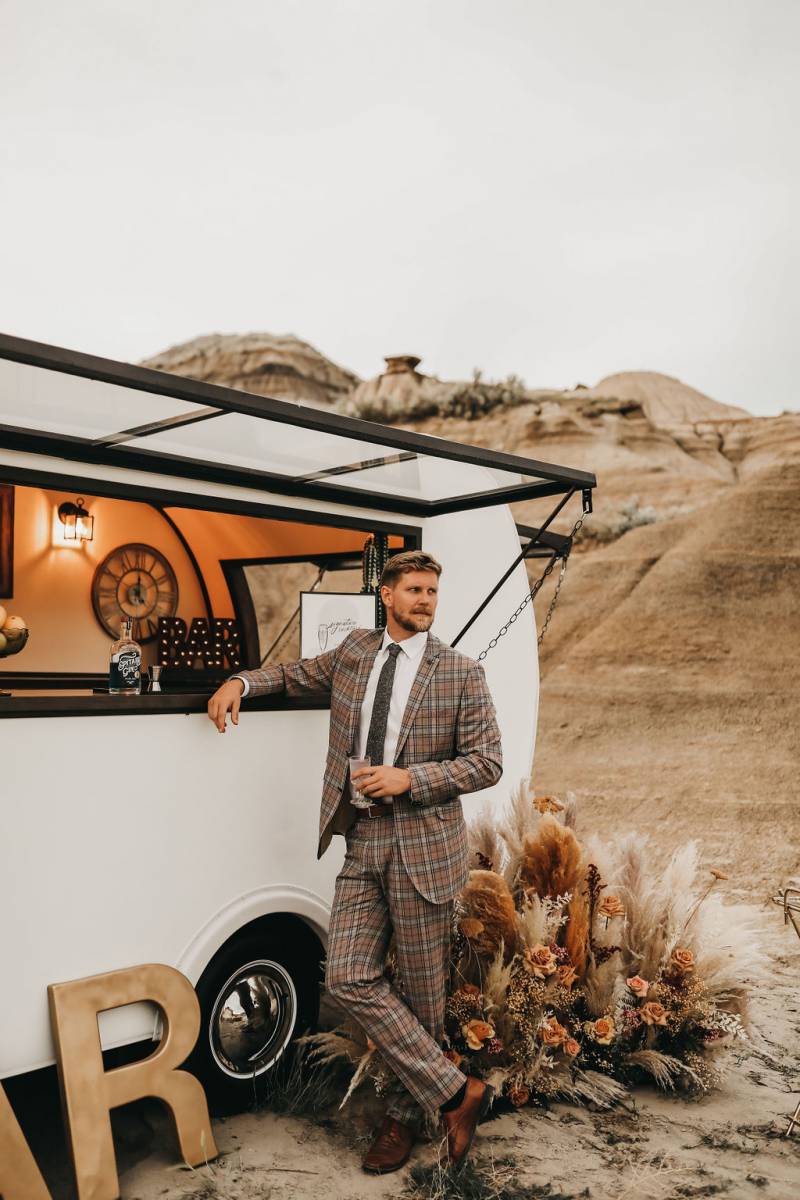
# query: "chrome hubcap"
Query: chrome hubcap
253,1018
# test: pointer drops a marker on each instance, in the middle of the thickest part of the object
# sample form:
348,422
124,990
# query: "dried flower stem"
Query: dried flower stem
704,896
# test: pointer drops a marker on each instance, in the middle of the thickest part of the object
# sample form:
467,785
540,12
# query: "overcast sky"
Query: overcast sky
556,190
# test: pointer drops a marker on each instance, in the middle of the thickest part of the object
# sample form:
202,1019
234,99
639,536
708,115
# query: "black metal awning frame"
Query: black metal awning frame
542,544
547,479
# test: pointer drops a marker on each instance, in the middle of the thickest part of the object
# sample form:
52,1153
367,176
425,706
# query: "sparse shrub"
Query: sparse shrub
492,1180
299,1087
630,515
469,401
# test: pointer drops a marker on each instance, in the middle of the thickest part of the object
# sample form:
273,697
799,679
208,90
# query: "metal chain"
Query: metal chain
553,601
534,591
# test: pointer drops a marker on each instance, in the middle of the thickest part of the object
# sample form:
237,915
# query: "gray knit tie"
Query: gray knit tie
380,707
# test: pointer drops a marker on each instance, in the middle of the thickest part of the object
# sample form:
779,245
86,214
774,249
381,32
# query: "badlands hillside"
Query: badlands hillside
264,364
670,696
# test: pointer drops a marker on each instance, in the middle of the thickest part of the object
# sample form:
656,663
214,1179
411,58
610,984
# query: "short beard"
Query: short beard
414,622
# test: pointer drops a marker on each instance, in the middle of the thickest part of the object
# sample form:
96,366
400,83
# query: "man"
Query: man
424,716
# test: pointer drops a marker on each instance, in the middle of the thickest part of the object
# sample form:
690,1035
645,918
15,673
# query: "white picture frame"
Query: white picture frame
326,618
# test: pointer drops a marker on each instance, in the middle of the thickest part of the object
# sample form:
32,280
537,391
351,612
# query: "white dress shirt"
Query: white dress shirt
408,662
245,684
407,666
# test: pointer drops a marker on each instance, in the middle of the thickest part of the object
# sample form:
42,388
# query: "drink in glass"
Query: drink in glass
358,798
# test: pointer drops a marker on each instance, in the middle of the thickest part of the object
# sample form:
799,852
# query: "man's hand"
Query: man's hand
381,781
225,698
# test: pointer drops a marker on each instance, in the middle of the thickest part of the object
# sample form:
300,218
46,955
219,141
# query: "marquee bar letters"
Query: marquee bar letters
209,642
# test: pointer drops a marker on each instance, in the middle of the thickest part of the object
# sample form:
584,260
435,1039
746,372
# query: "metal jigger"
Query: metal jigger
155,675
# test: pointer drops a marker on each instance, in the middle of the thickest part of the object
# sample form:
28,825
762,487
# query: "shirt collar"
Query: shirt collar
412,646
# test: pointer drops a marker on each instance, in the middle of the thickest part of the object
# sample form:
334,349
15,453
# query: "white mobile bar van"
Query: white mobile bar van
131,831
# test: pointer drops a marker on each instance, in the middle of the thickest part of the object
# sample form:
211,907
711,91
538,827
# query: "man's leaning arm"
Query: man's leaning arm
479,760
293,678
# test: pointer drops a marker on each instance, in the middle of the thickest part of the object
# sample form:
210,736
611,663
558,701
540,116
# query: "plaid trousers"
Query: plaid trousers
374,895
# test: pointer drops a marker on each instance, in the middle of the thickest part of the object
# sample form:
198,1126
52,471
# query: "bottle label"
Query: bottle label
125,669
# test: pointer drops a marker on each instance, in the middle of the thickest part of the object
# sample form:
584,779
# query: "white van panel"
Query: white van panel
152,838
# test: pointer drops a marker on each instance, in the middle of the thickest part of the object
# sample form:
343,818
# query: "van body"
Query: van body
130,830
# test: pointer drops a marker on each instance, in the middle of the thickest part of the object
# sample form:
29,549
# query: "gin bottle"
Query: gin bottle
125,665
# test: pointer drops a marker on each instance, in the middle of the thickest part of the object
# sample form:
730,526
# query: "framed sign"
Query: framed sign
6,540
326,618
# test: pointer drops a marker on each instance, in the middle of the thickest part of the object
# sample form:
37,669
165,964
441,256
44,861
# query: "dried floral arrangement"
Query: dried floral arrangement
578,970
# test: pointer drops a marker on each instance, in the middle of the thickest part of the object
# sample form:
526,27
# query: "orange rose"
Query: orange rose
571,1047
602,1030
682,959
638,985
566,975
653,1013
541,961
547,804
471,927
518,1095
611,906
476,1033
552,1033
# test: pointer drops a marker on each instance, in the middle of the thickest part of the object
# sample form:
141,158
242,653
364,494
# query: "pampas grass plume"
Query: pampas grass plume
551,859
576,934
487,897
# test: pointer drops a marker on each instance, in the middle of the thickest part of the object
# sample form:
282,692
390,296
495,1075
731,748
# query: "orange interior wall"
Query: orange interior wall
52,585
214,536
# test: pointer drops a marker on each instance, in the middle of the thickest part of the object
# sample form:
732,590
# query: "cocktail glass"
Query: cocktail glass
358,798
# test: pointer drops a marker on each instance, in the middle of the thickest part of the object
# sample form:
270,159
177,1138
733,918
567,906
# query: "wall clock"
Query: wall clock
134,581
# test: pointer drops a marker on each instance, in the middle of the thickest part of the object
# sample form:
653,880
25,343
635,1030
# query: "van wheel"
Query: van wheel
256,995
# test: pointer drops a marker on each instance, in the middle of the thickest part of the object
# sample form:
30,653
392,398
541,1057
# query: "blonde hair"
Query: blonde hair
408,560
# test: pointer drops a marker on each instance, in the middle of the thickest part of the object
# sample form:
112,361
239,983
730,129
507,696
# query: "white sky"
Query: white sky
558,190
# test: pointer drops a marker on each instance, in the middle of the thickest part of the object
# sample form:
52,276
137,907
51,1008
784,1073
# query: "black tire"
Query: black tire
283,958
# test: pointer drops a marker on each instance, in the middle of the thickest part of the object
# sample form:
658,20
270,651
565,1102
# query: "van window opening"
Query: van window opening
258,585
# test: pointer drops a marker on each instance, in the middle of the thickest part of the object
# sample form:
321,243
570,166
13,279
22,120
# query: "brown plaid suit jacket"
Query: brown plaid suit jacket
449,741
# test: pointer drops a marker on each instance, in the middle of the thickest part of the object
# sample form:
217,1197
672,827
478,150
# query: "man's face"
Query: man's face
412,600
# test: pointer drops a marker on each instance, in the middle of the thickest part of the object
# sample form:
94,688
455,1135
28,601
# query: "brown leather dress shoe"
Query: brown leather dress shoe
391,1147
460,1124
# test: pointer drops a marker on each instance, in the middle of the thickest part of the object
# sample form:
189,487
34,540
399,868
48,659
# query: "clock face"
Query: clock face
134,581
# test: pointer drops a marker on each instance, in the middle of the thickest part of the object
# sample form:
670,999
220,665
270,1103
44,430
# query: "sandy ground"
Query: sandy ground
668,704
664,708
729,1144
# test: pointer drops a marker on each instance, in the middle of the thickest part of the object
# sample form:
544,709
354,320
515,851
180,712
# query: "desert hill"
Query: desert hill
670,671
264,364
665,401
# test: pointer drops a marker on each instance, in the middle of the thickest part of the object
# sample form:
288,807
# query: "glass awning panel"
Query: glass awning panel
264,444
56,402
60,402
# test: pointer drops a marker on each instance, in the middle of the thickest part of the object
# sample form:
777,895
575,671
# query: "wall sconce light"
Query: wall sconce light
78,524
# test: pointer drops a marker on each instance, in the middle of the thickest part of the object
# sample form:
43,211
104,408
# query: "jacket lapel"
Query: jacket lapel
430,660
365,665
